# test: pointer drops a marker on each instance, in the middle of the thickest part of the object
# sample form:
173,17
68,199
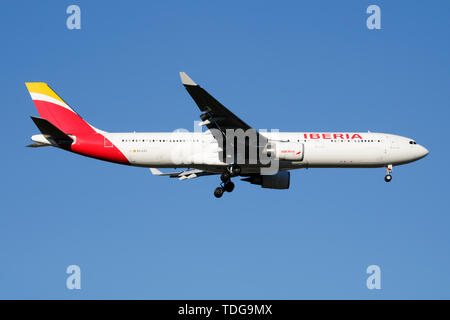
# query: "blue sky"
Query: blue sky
294,66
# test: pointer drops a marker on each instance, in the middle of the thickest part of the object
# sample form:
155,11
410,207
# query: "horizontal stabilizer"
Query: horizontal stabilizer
38,145
50,131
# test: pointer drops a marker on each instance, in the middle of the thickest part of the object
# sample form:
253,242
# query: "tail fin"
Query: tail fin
54,109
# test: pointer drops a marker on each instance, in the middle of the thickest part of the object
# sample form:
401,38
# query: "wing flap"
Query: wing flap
182,175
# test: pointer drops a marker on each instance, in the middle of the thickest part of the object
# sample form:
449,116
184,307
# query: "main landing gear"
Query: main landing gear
388,176
227,185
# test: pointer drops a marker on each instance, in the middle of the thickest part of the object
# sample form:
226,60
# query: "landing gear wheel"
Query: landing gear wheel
388,176
225,176
229,186
235,170
218,192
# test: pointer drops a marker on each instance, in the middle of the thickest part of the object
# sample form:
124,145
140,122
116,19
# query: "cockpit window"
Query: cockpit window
412,142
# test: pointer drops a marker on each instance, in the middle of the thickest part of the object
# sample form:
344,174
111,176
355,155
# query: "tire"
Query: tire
229,186
235,170
218,192
388,178
225,177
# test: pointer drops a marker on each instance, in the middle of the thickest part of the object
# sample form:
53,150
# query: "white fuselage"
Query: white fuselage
321,149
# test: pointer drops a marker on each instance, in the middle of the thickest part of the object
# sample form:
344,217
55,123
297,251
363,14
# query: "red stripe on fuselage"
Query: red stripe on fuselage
88,142
93,145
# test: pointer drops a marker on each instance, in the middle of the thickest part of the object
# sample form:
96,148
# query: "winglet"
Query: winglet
186,80
156,172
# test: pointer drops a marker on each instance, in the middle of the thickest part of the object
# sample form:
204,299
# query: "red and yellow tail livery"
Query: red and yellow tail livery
87,140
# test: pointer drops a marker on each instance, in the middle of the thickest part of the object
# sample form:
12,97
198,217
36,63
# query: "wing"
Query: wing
182,175
215,115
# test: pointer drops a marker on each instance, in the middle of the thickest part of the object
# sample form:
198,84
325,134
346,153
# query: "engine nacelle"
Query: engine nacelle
291,151
281,180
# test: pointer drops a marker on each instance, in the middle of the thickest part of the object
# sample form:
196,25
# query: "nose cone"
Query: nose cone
422,152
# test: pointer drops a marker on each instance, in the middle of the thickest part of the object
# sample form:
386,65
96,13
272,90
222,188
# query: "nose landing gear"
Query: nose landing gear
388,176
227,185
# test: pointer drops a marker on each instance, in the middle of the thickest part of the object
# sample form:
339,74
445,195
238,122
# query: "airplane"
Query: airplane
214,151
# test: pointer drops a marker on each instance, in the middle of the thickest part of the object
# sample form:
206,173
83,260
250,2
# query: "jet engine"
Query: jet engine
280,180
282,150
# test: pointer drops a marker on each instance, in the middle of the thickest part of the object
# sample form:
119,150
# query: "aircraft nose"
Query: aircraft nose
423,151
